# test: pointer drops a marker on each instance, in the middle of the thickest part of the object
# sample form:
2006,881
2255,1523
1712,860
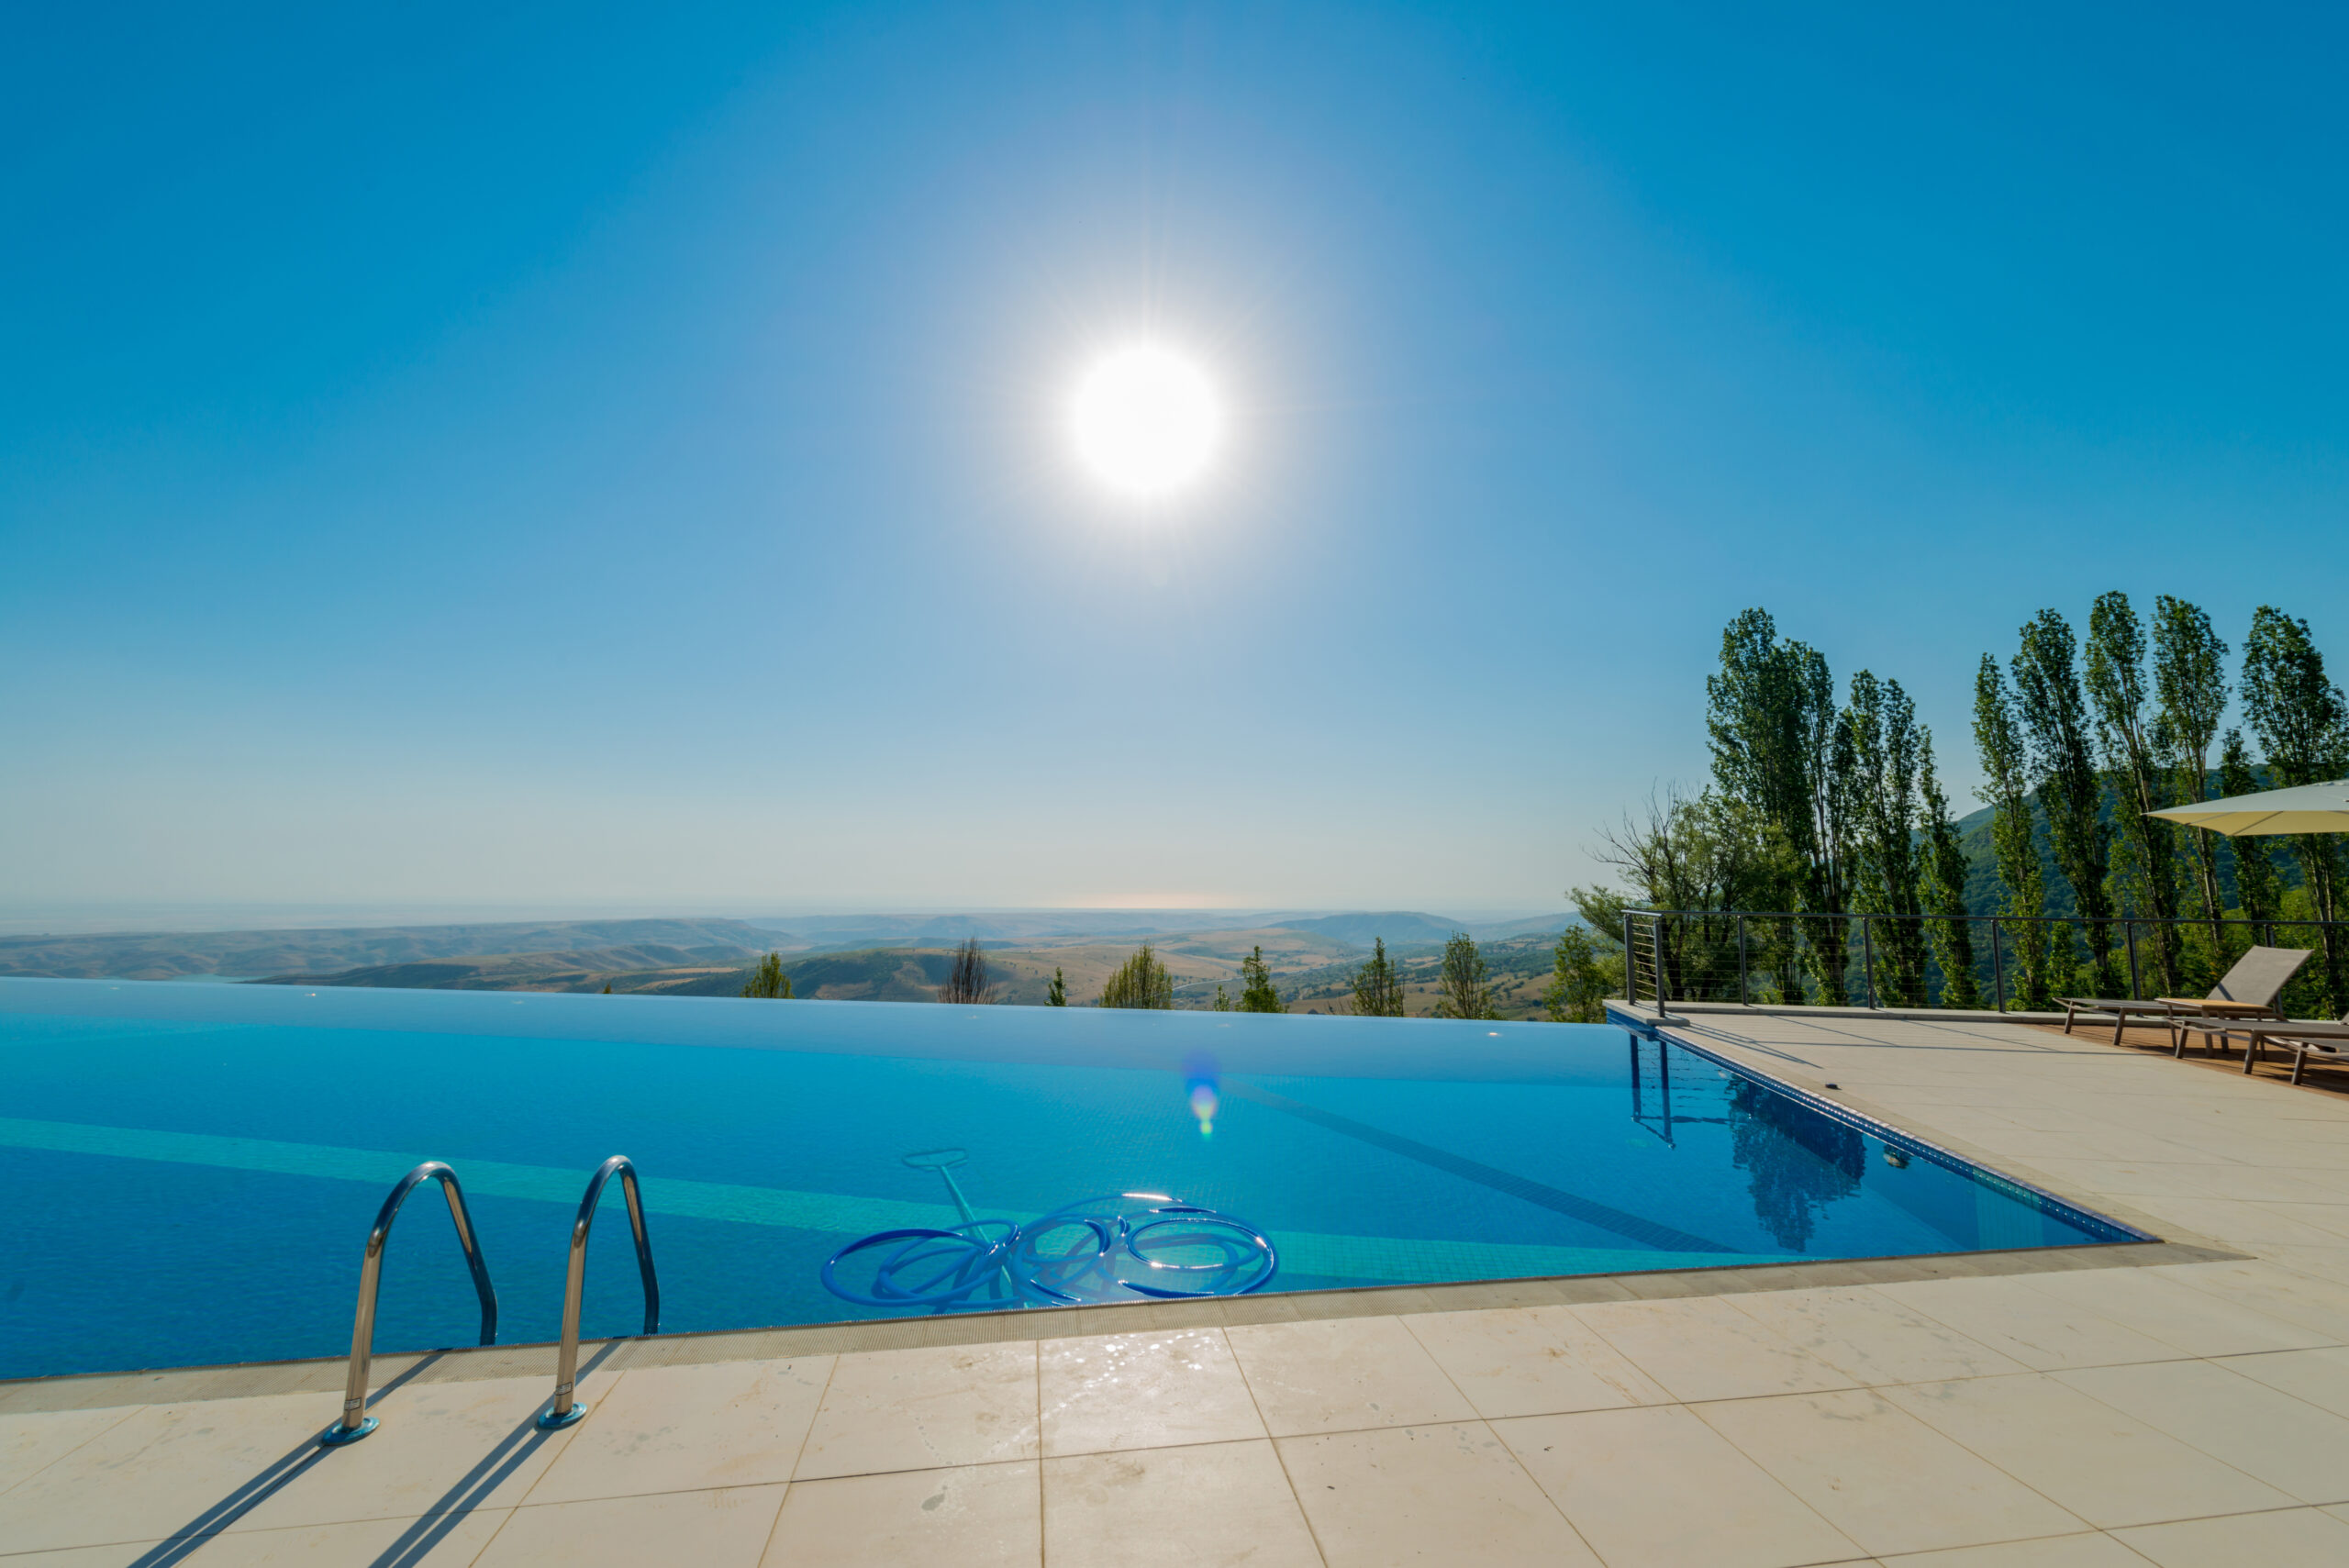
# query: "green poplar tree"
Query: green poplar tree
1142,980
2302,722
1881,723
1256,993
769,980
2259,890
1945,869
1465,992
2055,722
2005,790
1378,988
1781,752
2190,687
2134,754
1056,994
1581,978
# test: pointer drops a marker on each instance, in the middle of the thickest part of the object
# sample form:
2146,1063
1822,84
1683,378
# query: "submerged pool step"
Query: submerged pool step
1399,1258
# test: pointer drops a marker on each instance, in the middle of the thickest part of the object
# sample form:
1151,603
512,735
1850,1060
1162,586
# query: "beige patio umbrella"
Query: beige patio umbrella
2310,808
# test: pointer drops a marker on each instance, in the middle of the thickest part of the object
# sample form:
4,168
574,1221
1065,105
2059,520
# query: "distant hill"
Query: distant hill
1396,927
239,954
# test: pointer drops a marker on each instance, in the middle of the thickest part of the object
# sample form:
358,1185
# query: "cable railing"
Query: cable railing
1999,962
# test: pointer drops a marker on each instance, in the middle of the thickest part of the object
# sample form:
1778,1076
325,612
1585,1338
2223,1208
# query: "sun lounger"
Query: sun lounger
2326,1042
2248,990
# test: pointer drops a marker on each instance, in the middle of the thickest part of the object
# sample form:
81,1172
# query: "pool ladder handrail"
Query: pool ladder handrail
563,1411
355,1423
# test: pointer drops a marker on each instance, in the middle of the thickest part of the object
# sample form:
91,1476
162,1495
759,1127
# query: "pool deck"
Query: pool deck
2182,1405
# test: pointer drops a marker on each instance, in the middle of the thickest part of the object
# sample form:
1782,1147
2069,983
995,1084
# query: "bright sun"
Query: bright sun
1145,421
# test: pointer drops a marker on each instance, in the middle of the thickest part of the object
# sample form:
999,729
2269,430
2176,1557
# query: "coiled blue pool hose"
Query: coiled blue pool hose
1117,1247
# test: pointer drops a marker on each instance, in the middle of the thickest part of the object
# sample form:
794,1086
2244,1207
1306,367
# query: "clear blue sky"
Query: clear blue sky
570,453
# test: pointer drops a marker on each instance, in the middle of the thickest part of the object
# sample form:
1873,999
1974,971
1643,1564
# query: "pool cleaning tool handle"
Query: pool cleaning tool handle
356,1422
563,1411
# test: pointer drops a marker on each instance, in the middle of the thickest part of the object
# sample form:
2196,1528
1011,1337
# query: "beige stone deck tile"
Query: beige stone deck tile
1531,1361
1705,1348
444,1540
984,1515
2096,1550
31,1443
2081,1453
2318,1305
1149,1390
2174,1312
2299,1538
161,1473
1882,1477
1872,1338
2319,1377
2329,1264
2005,1314
1333,1376
924,1409
246,1464
676,1429
1452,1495
2287,1442
2239,1224
1215,1506
1656,1487
726,1527
441,1446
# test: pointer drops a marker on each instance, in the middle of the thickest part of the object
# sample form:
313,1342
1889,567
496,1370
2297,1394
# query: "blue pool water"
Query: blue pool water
193,1169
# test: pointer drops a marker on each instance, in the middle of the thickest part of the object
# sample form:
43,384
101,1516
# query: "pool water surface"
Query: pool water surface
193,1169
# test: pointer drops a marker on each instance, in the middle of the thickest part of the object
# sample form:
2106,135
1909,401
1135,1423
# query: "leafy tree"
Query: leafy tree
1582,976
1463,990
1222,1003
1944,873
2135,754
1056,994
2190,688
1709,855
1781,750
1142,980
2259,891
2302,722
1378,988
2055,724
2006,789
1256,993
607,987
1885,736
968,983
769,980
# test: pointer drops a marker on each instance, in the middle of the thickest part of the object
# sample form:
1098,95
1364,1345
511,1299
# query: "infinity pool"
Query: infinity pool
193,1169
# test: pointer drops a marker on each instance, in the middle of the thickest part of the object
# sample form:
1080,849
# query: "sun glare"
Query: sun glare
1145,421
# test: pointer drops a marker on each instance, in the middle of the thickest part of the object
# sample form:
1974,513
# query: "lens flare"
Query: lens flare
1200,1083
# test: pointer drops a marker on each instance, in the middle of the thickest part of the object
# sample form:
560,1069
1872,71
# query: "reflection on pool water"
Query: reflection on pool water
194,1167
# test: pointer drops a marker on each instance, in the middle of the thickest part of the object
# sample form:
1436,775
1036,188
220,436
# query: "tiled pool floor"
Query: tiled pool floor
2185,1413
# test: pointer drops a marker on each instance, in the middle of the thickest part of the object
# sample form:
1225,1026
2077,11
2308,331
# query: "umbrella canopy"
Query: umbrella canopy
2310,808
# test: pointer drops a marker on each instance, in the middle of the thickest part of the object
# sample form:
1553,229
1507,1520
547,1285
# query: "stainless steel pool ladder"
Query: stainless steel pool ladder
563,1411
355,1422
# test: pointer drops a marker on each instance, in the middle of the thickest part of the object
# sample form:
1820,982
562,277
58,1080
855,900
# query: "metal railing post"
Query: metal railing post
563,1410
355,1423
2136,980
1742,999
1630,967
1997,967
1867,958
